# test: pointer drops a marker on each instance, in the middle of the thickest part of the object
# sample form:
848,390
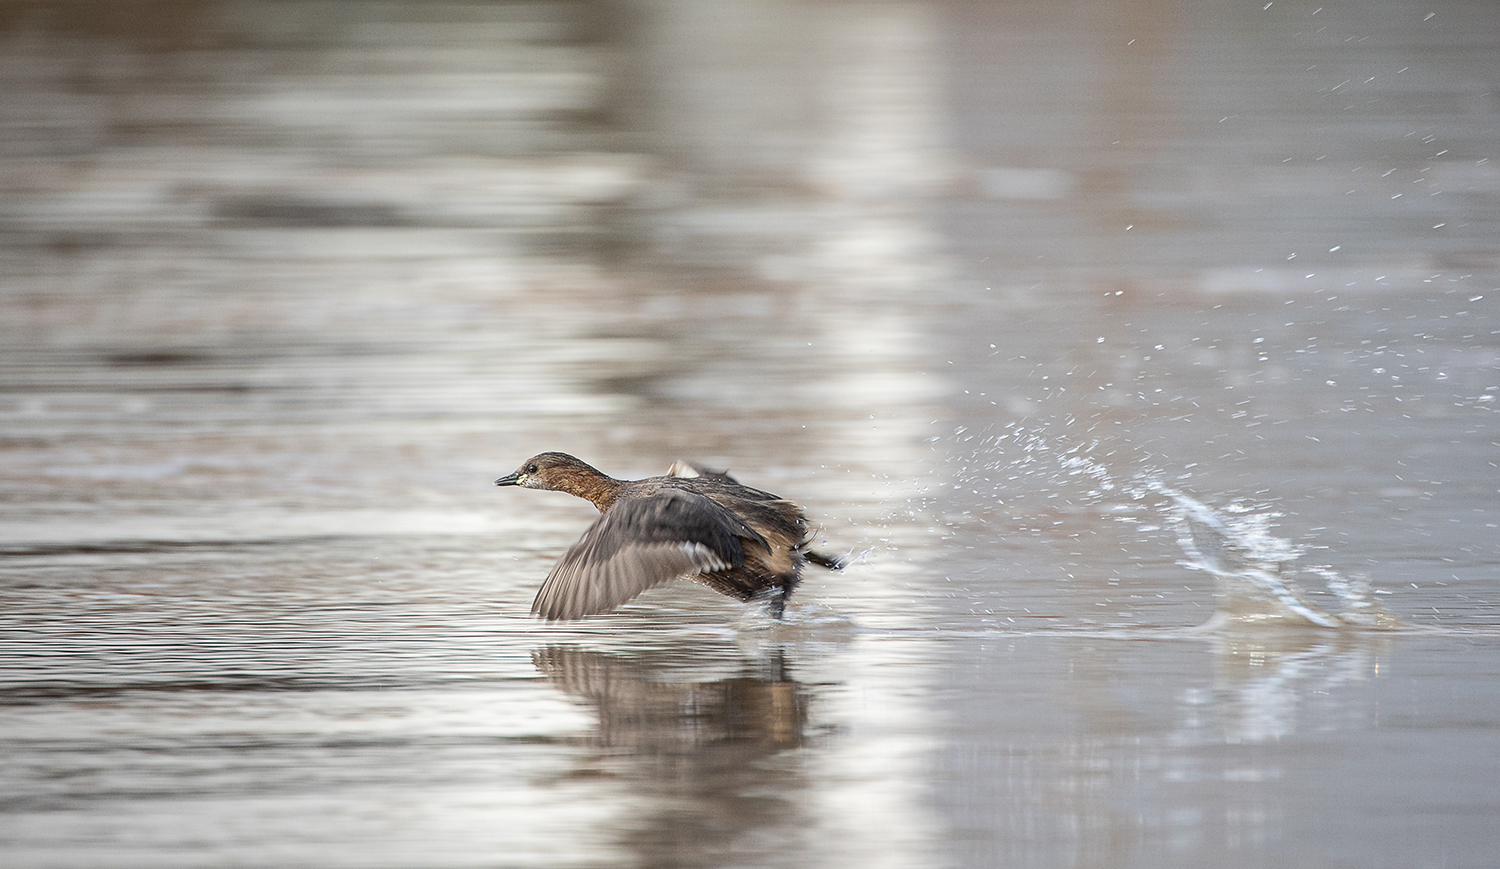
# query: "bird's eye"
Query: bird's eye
531,468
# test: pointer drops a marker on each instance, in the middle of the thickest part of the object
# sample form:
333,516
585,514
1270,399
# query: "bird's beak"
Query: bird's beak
510,480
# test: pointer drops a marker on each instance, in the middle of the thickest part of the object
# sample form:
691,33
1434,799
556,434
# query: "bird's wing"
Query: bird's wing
637,544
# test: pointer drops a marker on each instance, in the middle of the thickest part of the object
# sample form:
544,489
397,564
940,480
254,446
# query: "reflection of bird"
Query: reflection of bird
694,523
643,708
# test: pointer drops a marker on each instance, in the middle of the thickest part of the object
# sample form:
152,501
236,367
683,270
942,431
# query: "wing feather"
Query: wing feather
639,544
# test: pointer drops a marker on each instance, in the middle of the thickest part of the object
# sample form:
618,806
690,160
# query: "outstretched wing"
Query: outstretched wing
638,544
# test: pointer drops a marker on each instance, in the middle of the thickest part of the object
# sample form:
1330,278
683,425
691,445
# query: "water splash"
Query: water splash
1254,571
1256,576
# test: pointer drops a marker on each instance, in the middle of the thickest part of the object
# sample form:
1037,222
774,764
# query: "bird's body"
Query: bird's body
694,523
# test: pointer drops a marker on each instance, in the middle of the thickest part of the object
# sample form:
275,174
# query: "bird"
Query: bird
694,523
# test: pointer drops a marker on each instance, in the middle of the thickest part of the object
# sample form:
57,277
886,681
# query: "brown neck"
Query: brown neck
597,488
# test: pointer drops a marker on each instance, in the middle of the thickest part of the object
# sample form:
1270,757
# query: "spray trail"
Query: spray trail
1256,576
1254,571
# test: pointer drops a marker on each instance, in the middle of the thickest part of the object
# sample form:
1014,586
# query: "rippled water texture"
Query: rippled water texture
1143,357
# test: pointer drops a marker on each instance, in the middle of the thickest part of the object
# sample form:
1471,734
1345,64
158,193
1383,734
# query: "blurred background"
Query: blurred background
1077,325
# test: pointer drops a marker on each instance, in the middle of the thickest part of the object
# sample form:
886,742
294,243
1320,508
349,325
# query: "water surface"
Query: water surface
1143,357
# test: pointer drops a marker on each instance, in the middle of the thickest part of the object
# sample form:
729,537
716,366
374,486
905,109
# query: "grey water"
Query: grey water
1144,359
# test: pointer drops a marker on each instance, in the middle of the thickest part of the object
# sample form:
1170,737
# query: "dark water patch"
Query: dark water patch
157,358
123,547
295,212
42,692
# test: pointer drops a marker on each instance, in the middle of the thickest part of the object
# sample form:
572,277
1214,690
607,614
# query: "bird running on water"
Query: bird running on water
694,523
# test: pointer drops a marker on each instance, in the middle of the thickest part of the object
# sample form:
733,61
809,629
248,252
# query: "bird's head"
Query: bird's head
558,472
